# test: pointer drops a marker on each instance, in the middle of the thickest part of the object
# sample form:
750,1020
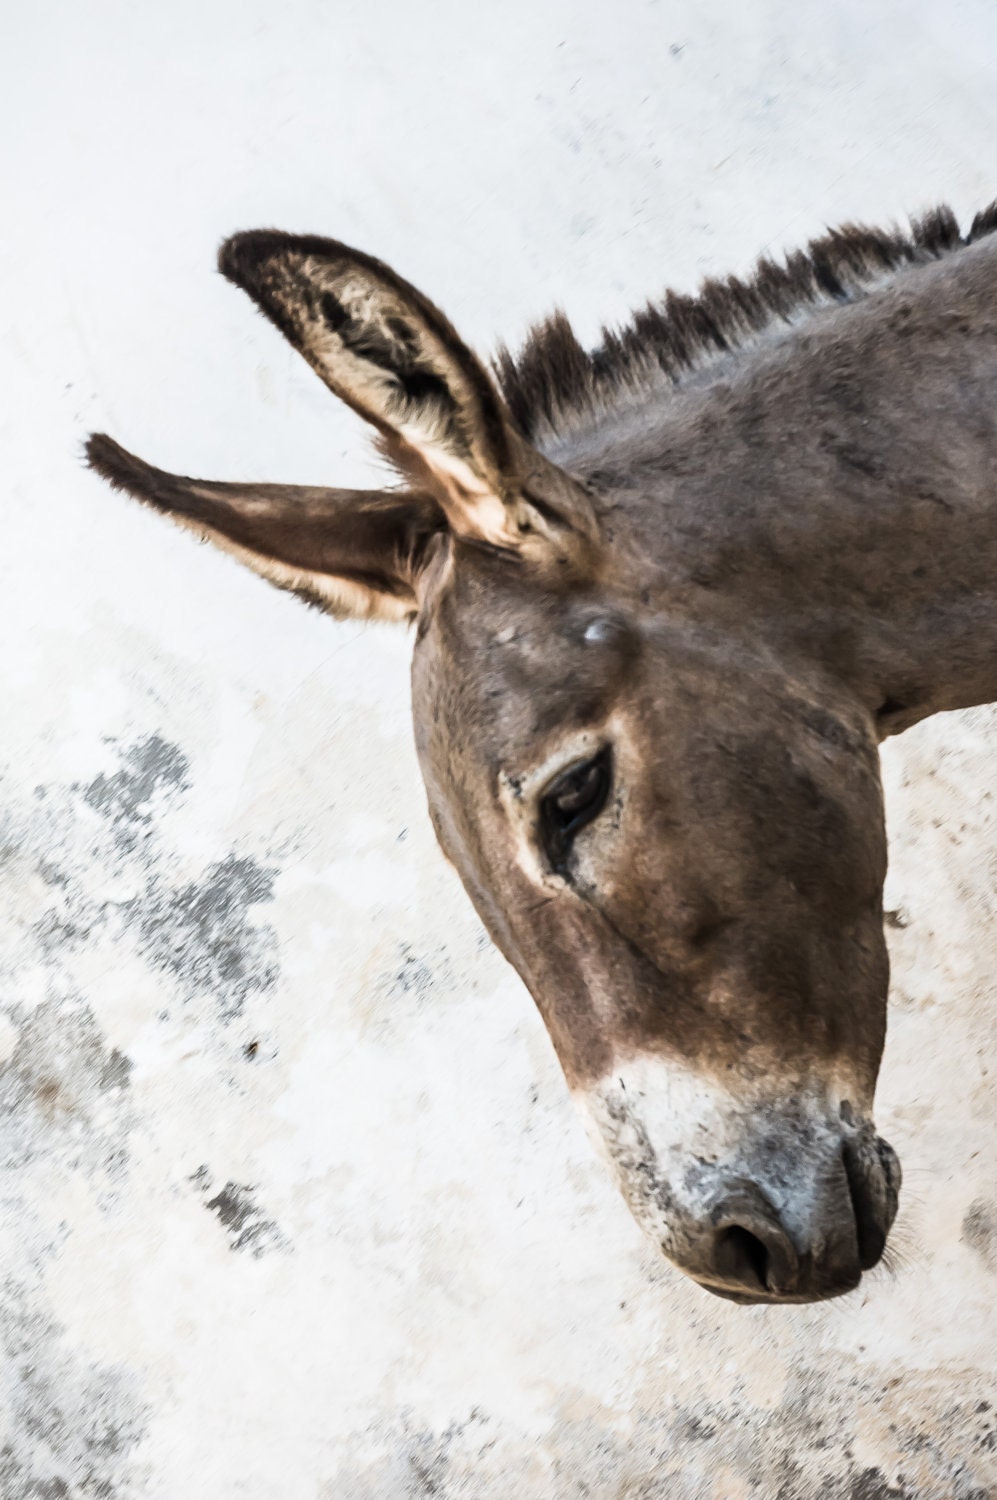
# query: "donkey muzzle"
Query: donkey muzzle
786,1235
786,1200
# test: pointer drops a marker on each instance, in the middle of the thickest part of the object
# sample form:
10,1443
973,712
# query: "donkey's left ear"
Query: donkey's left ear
386,350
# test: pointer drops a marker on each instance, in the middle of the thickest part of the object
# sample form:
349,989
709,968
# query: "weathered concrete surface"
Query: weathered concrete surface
294,1206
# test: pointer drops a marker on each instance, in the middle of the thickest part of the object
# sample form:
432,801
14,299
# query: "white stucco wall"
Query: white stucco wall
293,1204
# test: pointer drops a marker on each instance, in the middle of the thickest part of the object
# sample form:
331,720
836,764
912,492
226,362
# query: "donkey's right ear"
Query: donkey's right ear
353,553
384,348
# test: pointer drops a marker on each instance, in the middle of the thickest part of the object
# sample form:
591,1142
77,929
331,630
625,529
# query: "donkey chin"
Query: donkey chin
781,1200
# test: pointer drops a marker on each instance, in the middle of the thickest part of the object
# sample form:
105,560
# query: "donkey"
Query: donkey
669,597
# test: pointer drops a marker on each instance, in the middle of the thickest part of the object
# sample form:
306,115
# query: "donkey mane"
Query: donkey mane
554,385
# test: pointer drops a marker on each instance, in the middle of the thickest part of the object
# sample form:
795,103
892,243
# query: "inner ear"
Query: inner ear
411,387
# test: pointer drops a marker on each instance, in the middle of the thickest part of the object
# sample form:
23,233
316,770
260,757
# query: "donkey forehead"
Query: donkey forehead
522,654
513,660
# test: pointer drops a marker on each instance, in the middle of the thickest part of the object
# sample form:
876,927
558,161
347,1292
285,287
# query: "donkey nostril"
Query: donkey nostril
742,1256
749,1251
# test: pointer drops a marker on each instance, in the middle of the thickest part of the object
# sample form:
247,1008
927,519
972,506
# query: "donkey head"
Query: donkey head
671,829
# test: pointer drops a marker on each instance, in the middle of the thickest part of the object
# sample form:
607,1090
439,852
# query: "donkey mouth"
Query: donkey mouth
811,1292
811,1283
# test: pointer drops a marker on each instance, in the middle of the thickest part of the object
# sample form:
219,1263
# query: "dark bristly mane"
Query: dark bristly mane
553,383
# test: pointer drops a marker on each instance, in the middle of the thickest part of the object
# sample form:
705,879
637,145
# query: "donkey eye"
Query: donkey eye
572,801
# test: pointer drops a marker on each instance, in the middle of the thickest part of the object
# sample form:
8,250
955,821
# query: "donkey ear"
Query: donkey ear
387,351
354,553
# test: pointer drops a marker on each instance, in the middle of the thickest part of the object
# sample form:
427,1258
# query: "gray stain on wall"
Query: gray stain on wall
67,1423
979,1229
70,1425
201,934
149,768
247,1226
198,933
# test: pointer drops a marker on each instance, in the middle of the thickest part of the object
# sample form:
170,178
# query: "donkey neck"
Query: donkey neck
832,491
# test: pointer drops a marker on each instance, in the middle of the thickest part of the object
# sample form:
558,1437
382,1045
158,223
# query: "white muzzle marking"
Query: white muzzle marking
675,1138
